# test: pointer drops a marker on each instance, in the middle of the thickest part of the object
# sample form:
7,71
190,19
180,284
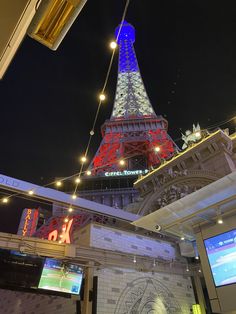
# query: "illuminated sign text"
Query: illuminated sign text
125,173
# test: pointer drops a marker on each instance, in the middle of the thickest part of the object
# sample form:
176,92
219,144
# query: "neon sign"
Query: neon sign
125,173
27,219
29,222
65,236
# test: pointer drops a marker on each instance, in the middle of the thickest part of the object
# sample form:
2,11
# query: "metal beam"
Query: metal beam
88,255
54,196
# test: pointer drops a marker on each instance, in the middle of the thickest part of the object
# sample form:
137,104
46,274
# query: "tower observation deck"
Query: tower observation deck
134,131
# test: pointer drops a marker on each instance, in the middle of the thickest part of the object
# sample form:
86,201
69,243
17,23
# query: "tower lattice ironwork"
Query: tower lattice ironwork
134,131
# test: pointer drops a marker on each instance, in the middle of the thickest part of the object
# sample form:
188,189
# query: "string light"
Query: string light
59,241
157,149
5,200
31,192
220,221
113,45
61,235
134,260
182,238
77,180
70,209
102,97
88,173
74,196
58,183
66,220
83,159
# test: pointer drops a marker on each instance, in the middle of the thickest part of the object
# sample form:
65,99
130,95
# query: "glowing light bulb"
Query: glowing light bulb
122,162
77,180
134,260
187,269
58,183
83,159
198,134
70,209
5,200
196,257
199,270
113,45
182,238
60,241
66,220
88,173
157,149
31,192
220,221
60,235
74,196
102,97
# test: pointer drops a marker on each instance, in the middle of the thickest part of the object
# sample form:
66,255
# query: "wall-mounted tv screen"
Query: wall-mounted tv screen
221,252
61,276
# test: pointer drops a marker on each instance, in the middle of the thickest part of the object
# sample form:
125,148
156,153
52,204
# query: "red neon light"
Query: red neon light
26,224
53,235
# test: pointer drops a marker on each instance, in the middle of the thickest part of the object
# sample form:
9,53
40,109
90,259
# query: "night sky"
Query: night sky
187,56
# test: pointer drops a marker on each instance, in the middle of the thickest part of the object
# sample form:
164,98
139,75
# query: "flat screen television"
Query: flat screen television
61,276
221,253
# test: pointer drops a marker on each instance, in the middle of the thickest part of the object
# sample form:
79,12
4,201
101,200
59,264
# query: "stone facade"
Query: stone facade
133,290
197,166
120,289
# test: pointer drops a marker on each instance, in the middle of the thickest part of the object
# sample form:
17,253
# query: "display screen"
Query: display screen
221,252
61,276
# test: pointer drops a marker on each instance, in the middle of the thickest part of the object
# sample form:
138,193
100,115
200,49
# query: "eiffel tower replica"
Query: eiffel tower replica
134,132
134,139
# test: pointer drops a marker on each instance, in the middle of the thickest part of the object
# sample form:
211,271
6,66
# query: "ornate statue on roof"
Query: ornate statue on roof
191,137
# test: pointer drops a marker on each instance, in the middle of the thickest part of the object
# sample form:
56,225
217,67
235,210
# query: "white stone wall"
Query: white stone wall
14,302
122,291
122,241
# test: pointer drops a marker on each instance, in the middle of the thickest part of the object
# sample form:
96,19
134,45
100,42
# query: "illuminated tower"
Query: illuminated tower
134,132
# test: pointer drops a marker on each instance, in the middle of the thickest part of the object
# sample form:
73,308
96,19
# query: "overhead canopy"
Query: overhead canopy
179,217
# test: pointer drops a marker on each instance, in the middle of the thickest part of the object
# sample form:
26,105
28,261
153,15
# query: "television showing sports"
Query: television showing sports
221,252
61,276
